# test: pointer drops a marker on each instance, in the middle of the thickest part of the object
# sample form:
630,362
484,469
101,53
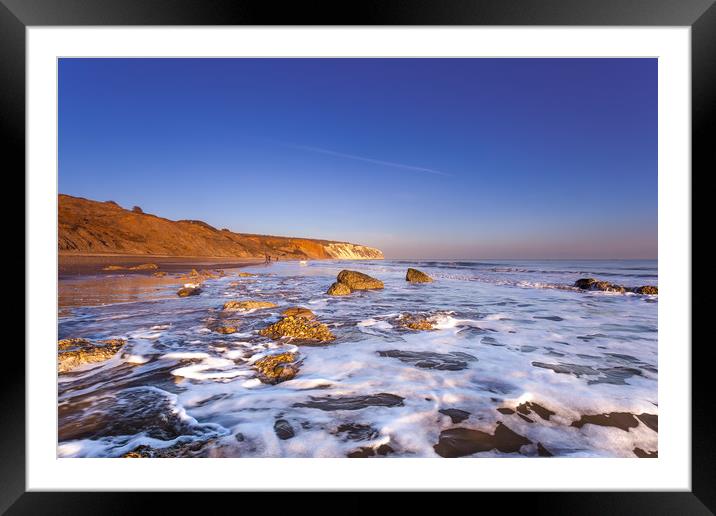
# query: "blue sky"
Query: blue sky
423,158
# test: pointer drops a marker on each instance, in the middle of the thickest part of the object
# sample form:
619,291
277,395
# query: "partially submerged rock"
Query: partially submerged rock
298,311
648,290
606,286
233,306
225,330
283,429
368,451
329,403
277,368
144,267
621,420
416,322
348,281
358,281
459,442
245,274
298,329
338,289
455,415
416,276
76,352
454,361
189,289
159,274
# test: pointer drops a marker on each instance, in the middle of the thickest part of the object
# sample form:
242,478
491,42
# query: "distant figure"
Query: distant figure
267,258
137,209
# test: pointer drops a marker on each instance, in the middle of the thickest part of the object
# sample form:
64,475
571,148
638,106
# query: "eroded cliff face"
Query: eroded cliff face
340,251
87,226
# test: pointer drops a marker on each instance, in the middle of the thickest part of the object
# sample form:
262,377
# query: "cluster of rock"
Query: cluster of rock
605,286
300,327
76,352
140,267
350,281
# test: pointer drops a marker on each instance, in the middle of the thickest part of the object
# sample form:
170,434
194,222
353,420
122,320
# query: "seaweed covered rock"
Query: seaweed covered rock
338,289
76,352
298,329
277,368
298,311
355,280
416,276
233,306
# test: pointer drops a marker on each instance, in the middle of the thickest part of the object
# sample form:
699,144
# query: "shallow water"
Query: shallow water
507,333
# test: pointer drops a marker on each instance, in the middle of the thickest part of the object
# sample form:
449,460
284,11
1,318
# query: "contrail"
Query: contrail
369,160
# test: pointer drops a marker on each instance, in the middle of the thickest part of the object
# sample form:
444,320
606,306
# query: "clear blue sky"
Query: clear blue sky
423,158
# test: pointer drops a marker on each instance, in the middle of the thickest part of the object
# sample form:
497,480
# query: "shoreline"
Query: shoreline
81,264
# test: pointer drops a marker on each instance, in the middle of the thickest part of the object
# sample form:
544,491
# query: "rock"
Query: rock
358,281
458,442
357,431
278,368
245,275
584,283
542,451
159,274
298,311
299,329
604,286
189,290
234,306
225,330
114,268
416,276
455,415
528,407
328,403
76,352
642,454
338,289
137,209
416,322
648,289
283,429
621,420
368,451
454,361
144,267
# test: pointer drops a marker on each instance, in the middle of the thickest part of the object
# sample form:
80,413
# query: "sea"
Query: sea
516,350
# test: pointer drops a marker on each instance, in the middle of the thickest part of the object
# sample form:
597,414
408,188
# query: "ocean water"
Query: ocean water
507,333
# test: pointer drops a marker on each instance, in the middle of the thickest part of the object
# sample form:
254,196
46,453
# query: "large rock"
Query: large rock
358,281
298,329
277,368
416,322
338,289
233,306
76,352
416,276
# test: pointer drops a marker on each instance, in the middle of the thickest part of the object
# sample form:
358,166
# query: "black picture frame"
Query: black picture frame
17,15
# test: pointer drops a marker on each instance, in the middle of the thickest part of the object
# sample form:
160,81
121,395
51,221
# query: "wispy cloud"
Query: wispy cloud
366,159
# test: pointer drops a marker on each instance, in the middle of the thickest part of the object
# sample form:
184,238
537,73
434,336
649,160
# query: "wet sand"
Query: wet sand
73,265
82,280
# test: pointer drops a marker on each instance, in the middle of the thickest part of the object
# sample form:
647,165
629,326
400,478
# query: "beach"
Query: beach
492,358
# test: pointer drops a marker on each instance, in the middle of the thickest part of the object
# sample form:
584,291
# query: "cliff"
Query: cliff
87,226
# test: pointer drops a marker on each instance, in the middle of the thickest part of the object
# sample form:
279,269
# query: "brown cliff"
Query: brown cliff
93,227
